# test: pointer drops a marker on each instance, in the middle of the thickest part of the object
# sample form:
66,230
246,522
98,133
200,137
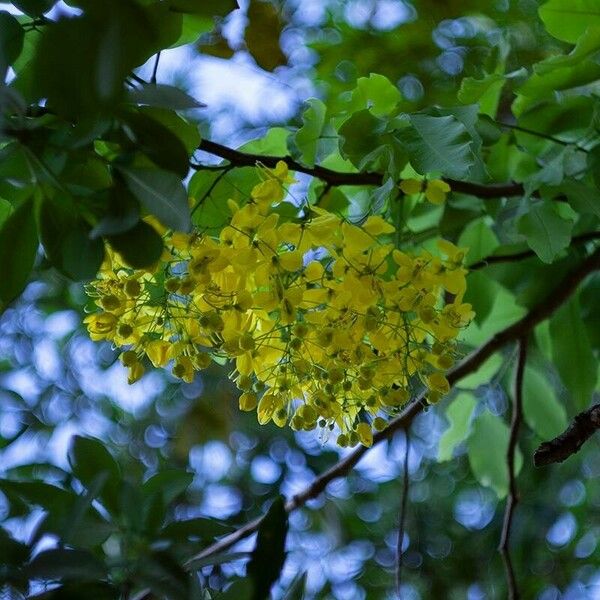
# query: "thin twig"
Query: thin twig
470,364
326,189
402,514
336,178
137,78
209,191
569,442
513,495
155,69
541,135
507,258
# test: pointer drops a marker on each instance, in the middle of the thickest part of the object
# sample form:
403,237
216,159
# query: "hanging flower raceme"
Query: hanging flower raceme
338,342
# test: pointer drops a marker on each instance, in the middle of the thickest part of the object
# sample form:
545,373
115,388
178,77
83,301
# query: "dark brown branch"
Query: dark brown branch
584,425
506,258
402,515
513,495
335,178
536,315
470,364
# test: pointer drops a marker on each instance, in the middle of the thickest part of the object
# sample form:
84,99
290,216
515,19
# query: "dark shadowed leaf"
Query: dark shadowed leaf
163,96
208,8
11,40
140,246
269,554
193,529
67,240
122,212
34,8
18,239
169,484
155,140
162,194
262,35
88,458
61,564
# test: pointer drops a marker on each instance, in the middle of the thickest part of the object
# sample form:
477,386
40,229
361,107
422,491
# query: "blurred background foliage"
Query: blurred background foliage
178,465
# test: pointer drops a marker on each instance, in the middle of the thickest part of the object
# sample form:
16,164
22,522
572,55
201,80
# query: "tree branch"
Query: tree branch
569,442
506,258
513,495
402,515
335,178
470,364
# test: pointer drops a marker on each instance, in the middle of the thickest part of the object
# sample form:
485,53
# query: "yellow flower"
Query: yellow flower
184,369
411,186
101,326
135,372
158,352
323,320
436,191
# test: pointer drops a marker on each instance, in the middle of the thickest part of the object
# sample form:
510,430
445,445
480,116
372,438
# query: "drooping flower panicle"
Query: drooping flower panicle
325,323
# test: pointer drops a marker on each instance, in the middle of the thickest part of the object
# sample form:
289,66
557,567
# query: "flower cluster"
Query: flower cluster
324,322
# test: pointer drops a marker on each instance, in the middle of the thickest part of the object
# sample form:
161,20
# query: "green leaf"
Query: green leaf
479,238
572,353
546,233
307,138
274,142
439,144
483,375
155,140
540,85
587,45
486,92
6,209
582,198
140,247
163,96
34,8
18,239
63,564
269,554
376,93
361,137
88,458
481,294
487,447
11,41
566,20
458,414
542,412
210,212
162,194
262,35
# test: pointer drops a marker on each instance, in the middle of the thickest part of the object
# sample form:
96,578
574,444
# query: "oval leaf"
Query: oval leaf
162,194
